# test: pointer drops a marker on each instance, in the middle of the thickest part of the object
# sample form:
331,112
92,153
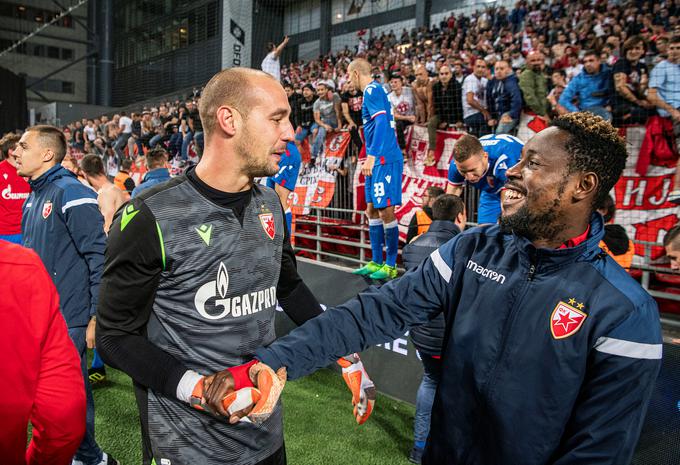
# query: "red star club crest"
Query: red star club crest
267,220
47,209
566,320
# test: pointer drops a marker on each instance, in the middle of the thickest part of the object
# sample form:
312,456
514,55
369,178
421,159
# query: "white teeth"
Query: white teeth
513,195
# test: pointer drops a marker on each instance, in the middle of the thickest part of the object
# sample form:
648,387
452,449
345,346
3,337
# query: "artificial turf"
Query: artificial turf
319,425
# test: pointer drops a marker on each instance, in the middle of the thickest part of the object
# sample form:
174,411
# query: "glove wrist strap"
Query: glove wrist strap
241,376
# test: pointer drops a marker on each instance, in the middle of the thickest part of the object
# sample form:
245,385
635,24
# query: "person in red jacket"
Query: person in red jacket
42,380
14,190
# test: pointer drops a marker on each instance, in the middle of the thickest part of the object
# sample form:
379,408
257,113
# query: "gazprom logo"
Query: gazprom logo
236,306
486,272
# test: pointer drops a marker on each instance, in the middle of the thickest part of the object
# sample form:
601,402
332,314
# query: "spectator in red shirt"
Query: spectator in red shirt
14,190
42,380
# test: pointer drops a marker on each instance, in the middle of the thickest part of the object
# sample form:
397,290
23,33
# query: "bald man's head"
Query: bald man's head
231,87
535,60
361,66
360,73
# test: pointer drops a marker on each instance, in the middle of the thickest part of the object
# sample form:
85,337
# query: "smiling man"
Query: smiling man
483,164
550,350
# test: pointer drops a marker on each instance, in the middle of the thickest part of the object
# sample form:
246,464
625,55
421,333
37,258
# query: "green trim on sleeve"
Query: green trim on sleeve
160,237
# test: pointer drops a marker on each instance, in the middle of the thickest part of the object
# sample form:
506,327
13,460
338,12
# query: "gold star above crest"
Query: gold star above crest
580,306
572,301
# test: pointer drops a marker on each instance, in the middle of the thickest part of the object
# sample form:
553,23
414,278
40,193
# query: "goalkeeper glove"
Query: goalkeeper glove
361,386
252,389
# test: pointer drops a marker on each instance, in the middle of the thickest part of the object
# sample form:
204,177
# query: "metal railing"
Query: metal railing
320,220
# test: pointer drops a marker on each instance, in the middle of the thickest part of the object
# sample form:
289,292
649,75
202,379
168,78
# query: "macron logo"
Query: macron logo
487,273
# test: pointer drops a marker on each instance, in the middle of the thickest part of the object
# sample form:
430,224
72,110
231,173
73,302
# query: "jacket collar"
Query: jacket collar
54,173
548,259
158,173
444,226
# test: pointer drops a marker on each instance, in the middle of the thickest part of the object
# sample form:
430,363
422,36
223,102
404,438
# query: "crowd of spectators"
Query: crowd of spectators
497,70
503,70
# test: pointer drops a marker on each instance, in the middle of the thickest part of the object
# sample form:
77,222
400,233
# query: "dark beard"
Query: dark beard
533,226
536,225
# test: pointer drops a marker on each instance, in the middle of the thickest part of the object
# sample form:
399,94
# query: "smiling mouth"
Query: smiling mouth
512,196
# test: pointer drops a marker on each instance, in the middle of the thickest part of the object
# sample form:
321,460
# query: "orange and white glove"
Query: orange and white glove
248,392
361,386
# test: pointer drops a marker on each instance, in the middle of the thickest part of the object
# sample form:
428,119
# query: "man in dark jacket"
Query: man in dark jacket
62,223
504,99
448,215
551,349
447,106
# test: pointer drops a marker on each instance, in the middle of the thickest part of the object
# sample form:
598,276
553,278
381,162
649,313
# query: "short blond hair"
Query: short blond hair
465,147
51,137
231,87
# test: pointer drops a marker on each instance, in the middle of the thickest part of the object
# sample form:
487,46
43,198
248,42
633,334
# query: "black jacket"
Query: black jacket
428,337
448,102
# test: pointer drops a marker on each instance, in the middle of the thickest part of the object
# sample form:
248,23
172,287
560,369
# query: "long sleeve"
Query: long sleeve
131,273
607,419
490,99
85,225
58,414
527,83
374,316
515,98
458,102
568,95
293,295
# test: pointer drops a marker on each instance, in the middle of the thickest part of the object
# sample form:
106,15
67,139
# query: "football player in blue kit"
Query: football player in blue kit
285,180
482,163
383,169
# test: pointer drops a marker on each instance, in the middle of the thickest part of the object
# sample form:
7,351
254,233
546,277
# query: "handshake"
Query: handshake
250,392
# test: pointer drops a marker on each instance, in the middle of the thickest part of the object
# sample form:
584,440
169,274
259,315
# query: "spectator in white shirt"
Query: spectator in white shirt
125,126
403,105
90,131
271,64
475,114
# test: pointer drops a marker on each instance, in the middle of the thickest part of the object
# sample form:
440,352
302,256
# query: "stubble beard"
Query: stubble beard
254,167
536,225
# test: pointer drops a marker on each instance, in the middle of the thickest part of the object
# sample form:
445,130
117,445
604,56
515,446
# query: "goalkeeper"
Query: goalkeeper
194,268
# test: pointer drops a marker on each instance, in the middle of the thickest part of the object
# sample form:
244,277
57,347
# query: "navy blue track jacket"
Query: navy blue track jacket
549,355
62,223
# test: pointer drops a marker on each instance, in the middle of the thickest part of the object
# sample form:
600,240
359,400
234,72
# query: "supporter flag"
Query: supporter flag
642,205
316,185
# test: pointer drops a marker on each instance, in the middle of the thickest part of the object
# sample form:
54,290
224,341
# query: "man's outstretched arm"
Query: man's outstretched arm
374,316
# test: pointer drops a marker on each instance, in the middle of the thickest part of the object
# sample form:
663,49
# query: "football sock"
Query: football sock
377,235
391,242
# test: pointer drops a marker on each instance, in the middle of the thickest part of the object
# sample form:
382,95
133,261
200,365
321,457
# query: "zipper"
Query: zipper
532,271
508,326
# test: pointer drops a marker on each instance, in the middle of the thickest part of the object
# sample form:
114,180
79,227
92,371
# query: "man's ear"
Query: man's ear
228,120
461,219
48,155
587,186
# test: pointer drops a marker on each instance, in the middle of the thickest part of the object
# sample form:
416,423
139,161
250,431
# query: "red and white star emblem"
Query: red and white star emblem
566,320
267,220
47,209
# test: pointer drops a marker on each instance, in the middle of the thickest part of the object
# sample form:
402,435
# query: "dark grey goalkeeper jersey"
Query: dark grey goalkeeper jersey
214,306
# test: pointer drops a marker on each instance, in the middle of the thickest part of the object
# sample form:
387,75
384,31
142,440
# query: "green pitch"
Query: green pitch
319,426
